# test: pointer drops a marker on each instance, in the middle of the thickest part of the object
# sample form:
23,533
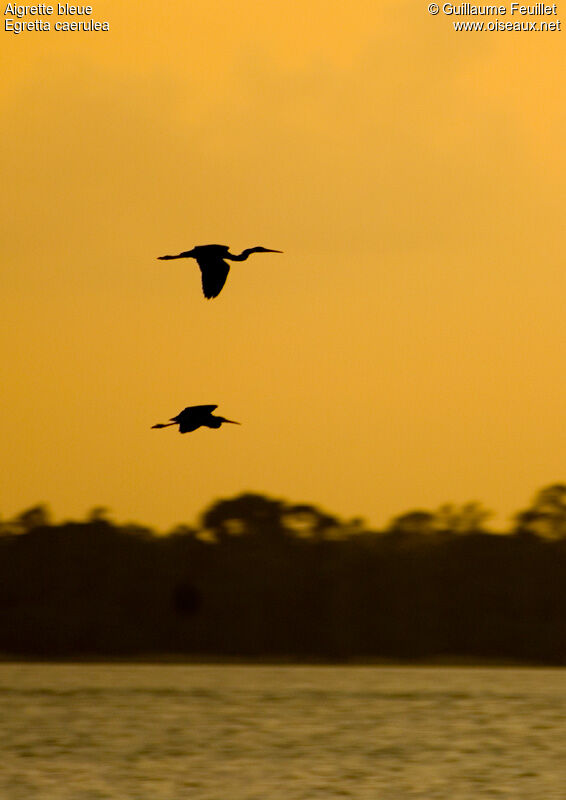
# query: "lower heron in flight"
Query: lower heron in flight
193,417
213,267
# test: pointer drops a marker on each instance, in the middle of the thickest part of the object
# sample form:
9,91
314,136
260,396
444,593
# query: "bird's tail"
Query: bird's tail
163,424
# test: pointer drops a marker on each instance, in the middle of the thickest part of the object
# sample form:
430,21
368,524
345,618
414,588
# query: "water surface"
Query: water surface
169,732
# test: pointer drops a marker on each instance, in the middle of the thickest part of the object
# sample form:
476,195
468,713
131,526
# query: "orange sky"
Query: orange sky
408,347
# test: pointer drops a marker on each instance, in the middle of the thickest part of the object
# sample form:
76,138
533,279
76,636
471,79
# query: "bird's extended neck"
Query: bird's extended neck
244,254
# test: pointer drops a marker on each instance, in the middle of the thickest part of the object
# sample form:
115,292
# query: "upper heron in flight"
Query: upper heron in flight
193,417
213,267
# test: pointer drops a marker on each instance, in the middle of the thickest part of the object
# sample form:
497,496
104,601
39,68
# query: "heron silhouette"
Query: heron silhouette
213,267
193,417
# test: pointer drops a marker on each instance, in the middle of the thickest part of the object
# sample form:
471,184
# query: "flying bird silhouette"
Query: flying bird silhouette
193,417
213,267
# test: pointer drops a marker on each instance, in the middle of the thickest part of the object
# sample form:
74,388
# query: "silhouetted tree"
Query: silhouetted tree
413,522
99,514
246,515
307,521
35,517
263,577
547,514
468,518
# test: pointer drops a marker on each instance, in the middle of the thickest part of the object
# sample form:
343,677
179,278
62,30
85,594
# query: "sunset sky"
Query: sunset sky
407,349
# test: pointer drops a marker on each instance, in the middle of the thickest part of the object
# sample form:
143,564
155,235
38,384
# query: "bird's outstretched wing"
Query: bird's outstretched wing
193,411
192,417
199,409
214,272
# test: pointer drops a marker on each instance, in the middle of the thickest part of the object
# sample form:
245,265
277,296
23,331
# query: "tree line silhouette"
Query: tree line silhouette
264,578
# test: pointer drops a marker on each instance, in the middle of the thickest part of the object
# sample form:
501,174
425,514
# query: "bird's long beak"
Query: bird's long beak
267,250
232,422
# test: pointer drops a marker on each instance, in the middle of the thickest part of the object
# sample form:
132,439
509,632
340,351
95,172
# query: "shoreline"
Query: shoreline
204,660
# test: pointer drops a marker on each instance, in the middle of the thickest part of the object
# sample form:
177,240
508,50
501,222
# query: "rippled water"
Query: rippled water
69,732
